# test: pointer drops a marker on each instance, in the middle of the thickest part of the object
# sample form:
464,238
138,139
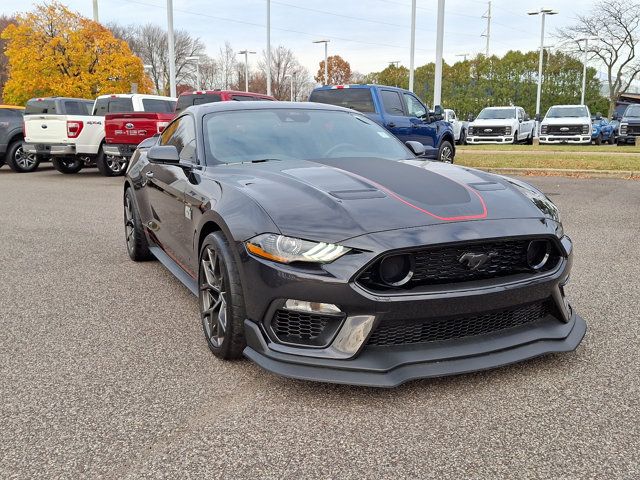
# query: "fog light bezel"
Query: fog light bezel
407,276
547,254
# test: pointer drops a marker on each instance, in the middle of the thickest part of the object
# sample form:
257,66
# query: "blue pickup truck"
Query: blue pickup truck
398,110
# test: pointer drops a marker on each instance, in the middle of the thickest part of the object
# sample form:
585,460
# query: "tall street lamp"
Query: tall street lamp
291,87
412,50
326,69
437,83
172,49
543,12
584,66
268,47
197,60
246,67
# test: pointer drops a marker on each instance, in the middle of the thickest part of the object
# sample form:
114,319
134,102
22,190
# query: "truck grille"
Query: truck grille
489,131
306,329
633,130
443,265
442,329
565,129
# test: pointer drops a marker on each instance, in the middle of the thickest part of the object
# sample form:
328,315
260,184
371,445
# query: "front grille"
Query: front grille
489,131
301,328
633,130
442,329
442,265
565,129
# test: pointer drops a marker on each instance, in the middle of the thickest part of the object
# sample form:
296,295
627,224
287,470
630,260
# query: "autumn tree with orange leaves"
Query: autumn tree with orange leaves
53,51
338,70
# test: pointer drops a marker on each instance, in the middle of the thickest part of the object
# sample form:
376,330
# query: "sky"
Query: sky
367,33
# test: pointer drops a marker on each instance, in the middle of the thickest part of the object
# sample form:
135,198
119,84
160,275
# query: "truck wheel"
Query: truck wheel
67,165
137,245
612,139
515,137
109,165
19,160
463,137
445,153
598,140
530,138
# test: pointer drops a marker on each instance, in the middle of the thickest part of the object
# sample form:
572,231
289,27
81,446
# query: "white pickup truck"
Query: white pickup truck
75,141
501,125
459,127
566,124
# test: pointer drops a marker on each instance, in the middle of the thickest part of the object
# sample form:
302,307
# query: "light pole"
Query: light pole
412,51
291,87
246,67
326,69
543,12
437,84
95,11
172,49
197,59
584,66
268,47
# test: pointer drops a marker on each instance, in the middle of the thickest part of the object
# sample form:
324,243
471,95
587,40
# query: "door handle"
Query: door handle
391,125
149,174
414,125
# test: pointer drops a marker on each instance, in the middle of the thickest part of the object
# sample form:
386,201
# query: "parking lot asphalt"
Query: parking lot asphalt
105,371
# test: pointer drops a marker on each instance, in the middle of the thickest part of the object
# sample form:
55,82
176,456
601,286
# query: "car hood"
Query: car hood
567,121
332,200
631,120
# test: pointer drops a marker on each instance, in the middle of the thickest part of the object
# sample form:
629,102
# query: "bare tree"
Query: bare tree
614,32
208,73
227,66
283,64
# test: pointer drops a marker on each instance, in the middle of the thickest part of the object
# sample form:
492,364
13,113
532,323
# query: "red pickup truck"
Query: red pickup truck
124,131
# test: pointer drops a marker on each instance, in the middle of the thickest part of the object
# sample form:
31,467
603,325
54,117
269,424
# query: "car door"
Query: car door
394,118
165,185
455,124
421,130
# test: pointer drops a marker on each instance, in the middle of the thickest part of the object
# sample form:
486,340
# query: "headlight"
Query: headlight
287,250
623,128
543,129
470,131
585,129
507,131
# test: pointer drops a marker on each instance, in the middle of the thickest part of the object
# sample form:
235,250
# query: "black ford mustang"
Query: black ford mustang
322,248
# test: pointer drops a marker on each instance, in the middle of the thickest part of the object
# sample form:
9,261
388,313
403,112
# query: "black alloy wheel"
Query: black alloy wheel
111,165
137,245
220,297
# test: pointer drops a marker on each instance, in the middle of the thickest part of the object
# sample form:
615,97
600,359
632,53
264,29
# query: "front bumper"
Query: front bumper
119,149
350,355
630,139
392,366
489,140
558,139
53,150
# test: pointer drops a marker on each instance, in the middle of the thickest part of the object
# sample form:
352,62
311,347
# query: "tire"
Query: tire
530,139
226,308
67,165
463,137
19,161
612,139
111,166
445,152
135,239
598,140
515,138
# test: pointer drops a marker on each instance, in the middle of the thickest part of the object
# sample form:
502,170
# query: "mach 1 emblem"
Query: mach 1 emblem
473,261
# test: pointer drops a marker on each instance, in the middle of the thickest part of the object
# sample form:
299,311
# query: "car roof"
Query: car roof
137,95
206,108
232,92
360,85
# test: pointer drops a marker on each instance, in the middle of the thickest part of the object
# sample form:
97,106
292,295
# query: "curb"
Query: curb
565,172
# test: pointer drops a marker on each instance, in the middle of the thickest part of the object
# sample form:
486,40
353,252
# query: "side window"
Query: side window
181,133
102,105
242,98
415,108
452,116
156,105
73,107
391,102
520,114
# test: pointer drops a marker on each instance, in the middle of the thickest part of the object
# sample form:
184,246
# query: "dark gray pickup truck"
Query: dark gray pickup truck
629,125
11,138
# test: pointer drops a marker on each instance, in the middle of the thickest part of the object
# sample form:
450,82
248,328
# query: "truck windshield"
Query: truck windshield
632,111
304,134
564,112
355,98
497,113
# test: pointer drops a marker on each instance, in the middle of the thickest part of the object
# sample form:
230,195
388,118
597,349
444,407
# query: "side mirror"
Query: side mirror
538,117
416,147
526,118
164,154
470,118
598,116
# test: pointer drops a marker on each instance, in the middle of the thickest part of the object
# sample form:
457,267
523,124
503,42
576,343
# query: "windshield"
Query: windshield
632,111
281,134
497,113
564,112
